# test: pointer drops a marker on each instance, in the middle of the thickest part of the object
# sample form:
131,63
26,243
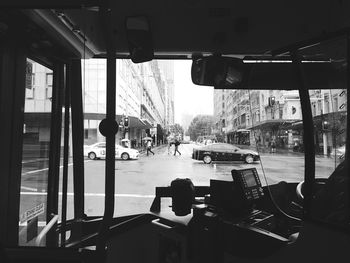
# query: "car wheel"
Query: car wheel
92,156
207,159
125,156
249,158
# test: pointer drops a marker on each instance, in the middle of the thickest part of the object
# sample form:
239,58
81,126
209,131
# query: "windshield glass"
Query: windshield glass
169,128
157,105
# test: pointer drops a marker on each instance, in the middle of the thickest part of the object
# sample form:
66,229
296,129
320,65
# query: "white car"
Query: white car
98,151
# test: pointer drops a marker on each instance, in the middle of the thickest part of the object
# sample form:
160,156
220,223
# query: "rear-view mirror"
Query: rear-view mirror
139,39
220,72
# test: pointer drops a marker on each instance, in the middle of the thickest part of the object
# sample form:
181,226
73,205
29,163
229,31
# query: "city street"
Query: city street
136,179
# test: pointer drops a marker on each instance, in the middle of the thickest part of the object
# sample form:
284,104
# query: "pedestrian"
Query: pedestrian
149,147
273,146
177,143
169,146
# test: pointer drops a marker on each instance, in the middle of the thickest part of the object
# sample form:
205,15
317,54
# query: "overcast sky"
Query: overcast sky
190,98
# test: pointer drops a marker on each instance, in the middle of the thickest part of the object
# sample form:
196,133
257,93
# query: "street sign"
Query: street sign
31,213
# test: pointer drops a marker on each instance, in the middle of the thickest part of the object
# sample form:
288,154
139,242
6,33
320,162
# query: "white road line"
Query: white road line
46,169
93,194
35,160
40,224
29,188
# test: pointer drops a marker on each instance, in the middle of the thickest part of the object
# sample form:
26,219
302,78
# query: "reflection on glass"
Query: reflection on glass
331,189
36,141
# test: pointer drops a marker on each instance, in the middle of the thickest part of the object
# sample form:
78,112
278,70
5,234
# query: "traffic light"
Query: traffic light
325,125
272,101
126,122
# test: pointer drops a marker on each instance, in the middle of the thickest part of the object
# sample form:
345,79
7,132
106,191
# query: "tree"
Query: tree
177,130
201,125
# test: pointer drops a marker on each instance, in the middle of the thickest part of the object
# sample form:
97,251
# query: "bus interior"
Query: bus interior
298,47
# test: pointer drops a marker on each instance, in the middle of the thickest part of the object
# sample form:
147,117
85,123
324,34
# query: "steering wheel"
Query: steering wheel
319,183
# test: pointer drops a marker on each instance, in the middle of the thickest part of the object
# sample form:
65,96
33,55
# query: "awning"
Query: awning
333,118
147,123
243,130
38,118
273,124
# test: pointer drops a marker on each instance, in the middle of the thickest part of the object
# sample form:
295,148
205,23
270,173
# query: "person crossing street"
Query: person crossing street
177,143
149,147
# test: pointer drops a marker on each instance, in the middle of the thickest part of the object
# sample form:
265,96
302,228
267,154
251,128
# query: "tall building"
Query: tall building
220,110
143,95
167,67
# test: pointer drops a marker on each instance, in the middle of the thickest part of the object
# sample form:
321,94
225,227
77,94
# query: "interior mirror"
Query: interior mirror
220,72
139,39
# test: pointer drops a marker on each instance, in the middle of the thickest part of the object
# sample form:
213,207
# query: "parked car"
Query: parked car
98,151
224,152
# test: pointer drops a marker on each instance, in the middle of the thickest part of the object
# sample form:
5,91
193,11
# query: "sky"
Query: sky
190,98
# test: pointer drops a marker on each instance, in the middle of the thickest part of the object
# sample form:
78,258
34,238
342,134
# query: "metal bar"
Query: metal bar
44,4
55,145
65,165
45,230
310,42
75,87
347,146
12,93
110,150
347,143
110,138
308,135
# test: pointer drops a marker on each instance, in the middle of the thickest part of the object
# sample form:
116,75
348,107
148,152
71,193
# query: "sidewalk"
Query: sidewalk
284,151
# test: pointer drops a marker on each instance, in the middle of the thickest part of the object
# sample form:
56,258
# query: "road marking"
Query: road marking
46,169
35,160
93,194
29,188
40,224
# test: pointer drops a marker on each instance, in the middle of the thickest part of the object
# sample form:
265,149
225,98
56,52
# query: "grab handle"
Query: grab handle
45,230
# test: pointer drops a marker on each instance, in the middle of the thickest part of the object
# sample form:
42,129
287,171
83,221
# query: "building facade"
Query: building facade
144,97
262,116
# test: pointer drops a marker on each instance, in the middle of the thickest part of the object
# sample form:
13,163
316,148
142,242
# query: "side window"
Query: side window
330,203
35,156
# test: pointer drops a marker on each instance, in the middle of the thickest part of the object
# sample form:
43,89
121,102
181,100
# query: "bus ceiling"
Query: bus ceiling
228,27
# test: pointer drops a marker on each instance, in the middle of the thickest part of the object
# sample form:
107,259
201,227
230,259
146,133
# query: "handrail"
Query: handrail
45,230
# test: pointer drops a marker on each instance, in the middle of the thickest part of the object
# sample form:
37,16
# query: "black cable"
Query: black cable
263,171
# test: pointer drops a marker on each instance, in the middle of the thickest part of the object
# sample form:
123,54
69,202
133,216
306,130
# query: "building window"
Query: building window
49,85
326,104
30,83
319,107
30,93
313,109
335,104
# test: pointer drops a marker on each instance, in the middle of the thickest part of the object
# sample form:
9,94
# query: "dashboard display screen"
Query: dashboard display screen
249,178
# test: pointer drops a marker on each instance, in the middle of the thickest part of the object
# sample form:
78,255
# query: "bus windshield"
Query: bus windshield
170,128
